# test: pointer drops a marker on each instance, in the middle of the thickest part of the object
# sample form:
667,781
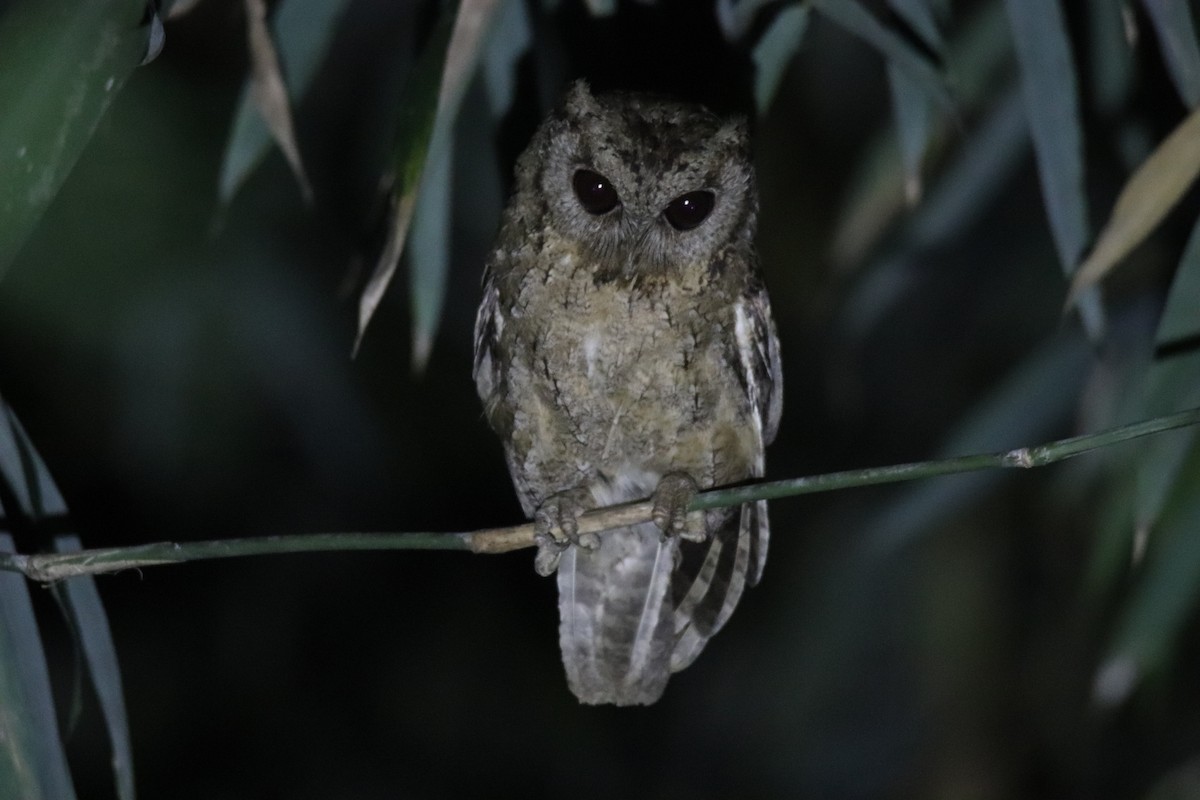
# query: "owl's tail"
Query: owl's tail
617,628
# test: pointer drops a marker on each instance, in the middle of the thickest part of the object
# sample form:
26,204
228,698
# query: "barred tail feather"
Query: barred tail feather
736,553
616,629
759,542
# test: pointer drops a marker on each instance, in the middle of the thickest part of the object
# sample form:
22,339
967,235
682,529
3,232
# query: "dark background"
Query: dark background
185,373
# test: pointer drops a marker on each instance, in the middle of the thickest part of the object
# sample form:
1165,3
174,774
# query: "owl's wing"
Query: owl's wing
488,325
712,576
491,381
758,356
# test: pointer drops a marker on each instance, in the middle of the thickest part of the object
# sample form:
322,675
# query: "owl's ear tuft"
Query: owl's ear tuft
579,101
734,133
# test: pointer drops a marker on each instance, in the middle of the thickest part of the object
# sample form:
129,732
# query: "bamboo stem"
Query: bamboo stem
56,566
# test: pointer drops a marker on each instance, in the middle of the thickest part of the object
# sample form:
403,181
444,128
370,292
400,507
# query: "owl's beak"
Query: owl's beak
637,255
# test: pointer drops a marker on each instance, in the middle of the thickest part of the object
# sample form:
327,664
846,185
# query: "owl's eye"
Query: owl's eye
689,210
595,193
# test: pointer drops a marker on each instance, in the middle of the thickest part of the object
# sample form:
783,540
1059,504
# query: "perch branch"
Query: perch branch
56,566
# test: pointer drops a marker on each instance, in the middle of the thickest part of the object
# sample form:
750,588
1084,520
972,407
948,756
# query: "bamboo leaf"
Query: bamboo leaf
1164,599
968,183
25,473
975,55
1150,193
857,20
63,64
156,39
1111,53
912,106
913,111
1173,382
32,762
269,93
1176,29
429,251
922,17
89,624
1051,94
418,113
512,37
736,17
601,8
177,8
303,31
1052,104
30,483
774,52
428,112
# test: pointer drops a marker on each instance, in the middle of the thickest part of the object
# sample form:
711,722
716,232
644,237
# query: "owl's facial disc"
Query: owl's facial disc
598,197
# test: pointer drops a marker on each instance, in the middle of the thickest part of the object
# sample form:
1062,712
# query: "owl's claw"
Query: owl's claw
549,553
671,499
556,527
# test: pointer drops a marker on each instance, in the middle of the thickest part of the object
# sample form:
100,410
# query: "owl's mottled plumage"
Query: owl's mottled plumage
618,345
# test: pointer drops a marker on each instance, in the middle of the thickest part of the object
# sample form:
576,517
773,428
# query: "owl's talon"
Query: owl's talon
671,499
549,553
556,527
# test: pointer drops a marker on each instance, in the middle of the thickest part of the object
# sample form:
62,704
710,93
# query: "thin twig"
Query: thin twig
56,566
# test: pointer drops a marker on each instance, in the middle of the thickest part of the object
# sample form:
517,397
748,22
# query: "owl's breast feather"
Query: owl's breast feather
638,375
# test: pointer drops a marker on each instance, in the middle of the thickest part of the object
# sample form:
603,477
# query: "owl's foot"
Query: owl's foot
674,494
556,527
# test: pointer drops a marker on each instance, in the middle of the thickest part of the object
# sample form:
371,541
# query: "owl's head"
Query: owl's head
646,186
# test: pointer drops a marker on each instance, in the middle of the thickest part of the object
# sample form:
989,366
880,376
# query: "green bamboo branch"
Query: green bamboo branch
56,566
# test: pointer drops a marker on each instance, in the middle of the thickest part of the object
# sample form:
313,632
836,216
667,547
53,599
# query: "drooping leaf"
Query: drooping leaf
1052,102
177,8
513,36
735,17
303,31
1164,598
1176,29
1148,195
969,182
417,117
64,62
912,106
1051,94
89,624
974,176
974,56
33,765
852,16
601,8
156,39
428,111
913,111
29,481
1111,53
1172,384
921,15
32,761
429,251
1180,783
269,93
774,52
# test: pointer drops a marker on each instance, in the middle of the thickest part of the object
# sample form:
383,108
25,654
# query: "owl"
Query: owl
624,349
